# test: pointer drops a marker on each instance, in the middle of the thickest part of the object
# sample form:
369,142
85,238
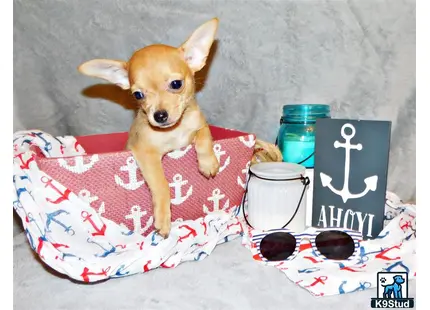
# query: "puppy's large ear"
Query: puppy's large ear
114,71
196,49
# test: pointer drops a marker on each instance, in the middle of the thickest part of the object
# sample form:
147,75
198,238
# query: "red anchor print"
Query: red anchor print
62,149
59,245
205,226
406,225
145,267
63,196
353,269
384,257
87,217
280,266
298,282
318,280
40,246
313,260
140,245
166,266
191,232
257,257
235,224
86,273
77,145
320,294
25,165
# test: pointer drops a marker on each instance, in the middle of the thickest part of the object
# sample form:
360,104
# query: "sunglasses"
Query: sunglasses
328,243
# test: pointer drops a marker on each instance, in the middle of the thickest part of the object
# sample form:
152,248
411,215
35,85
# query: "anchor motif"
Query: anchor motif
98,231
86,273
48,145
51,217
25,164
218,153
250,142
177,185
245,172
136,214
79,166
132,167
86,196
106,251
215,198
179,153
371,182
63,195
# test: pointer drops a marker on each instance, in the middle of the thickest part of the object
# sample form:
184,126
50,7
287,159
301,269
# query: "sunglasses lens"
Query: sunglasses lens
277,246
335,245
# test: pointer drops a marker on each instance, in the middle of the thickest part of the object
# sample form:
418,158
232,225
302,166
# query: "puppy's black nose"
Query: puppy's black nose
161,116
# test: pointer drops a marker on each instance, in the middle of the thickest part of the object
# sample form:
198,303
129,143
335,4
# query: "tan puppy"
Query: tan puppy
161,79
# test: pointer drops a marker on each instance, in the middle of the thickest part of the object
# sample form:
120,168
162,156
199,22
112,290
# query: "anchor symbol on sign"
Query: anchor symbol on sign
136,214
216,197
79,166
244,171
63,195
132,167
177,185
371,182
218,154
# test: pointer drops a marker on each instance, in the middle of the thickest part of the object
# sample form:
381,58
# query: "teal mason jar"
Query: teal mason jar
296,138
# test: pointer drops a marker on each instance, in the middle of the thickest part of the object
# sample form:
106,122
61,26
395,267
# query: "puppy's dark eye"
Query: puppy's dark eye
138,95
176,84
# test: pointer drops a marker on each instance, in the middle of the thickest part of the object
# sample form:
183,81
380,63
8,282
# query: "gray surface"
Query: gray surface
358,56
227,279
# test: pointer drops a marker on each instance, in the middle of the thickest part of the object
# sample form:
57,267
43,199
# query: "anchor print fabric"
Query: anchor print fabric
393,250
72,237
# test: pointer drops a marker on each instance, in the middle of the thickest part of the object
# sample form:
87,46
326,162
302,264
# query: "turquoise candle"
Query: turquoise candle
296,138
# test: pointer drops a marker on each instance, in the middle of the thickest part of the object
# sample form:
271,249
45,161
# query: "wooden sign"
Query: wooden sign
350,174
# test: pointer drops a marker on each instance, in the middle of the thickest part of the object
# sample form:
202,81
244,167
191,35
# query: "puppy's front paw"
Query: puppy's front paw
208,165
163,224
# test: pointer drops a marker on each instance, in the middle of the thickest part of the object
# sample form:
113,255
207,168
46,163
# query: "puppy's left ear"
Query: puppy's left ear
196,49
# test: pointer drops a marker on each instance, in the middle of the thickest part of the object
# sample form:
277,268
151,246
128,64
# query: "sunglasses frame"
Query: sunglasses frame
309,234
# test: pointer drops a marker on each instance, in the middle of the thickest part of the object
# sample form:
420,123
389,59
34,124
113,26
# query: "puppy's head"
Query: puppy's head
160,77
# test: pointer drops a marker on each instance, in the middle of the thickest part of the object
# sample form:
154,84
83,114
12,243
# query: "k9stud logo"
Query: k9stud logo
392,290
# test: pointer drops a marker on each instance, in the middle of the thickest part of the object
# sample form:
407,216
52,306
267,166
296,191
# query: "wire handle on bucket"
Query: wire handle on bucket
305,182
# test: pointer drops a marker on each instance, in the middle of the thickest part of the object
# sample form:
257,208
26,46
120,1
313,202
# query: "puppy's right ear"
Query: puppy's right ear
114,71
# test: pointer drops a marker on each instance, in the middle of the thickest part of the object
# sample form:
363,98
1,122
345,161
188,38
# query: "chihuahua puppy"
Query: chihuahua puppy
161,79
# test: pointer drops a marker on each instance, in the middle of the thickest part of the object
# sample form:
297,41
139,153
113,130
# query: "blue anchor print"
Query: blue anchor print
383,236
30,239
414,234
21,190
70,255
341,290
199,256
309,270
120,273
399,263
153,241
106,251
31,219
27,141
17,205
364,256
214,226
363,286
48,145
51,217
129,233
